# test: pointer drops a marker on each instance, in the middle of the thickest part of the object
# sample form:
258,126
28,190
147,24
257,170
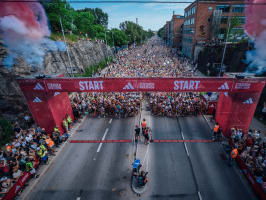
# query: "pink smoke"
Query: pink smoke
31,15
255,27
255,17
24,31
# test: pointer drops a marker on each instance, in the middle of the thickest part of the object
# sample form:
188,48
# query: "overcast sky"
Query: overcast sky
150,16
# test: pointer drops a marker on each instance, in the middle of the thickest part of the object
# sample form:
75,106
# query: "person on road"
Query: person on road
146,135
137,132
143,125
215,131
142,179
233,155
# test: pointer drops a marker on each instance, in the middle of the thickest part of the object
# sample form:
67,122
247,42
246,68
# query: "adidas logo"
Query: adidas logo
56,93
38,86
224,86
37,100
128,86
248,101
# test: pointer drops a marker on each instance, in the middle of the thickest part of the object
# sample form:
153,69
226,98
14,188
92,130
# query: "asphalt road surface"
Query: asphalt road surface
176,170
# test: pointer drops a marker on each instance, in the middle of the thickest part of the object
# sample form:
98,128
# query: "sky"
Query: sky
150,15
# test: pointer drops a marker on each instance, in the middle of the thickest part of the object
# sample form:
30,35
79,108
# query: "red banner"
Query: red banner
255,185
23,179
141,85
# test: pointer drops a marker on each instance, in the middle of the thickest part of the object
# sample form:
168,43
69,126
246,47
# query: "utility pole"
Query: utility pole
113,39
225,45
70,63
105,37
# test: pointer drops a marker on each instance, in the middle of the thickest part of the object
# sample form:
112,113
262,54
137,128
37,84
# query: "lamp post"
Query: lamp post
70,63
225,45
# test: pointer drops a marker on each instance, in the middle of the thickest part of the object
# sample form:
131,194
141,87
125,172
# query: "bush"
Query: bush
7,131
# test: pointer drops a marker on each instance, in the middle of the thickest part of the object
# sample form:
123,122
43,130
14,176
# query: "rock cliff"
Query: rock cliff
83,54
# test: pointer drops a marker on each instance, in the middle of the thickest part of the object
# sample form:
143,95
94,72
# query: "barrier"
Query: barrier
17,187
251,179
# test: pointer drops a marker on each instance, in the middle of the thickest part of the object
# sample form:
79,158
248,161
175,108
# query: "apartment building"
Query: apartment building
209,20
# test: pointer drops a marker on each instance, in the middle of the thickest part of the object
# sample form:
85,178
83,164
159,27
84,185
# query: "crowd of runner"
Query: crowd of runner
118,105
176,104
153,59
252,150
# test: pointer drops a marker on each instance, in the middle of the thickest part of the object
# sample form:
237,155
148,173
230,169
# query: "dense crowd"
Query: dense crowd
152,59
118,105
26,149
176,104
252,150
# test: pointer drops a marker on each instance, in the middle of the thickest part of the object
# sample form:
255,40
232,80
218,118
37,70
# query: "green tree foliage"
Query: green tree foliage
117,36
86,21
161,32
135,33
99,16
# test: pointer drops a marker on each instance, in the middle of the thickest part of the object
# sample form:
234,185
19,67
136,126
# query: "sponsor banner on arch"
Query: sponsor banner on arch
140,84
130,85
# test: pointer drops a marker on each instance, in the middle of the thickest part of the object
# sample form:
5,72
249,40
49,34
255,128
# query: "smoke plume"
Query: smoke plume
255,27
24,31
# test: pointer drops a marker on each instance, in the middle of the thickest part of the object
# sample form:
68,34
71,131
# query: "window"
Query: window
238,8
242,20
193,10
224,20
189,12
192,20
224,8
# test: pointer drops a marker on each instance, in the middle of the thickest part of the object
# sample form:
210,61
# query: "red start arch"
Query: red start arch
49,103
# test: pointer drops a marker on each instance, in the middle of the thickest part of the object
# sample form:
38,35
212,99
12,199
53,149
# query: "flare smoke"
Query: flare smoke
255,27
24,31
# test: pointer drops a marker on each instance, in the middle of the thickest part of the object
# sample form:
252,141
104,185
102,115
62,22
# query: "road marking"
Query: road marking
185,143
100,145
186,149
207,122
200,198
78,198
182,135
110,121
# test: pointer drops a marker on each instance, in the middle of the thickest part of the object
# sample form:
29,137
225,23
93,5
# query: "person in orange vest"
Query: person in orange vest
233,155
143,126
215,131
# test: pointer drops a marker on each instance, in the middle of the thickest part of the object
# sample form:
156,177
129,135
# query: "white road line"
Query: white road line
110,121
100,145
186,149
207,122
182,135
200,198
78,198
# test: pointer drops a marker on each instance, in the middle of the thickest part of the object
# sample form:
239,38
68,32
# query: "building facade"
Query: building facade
207,21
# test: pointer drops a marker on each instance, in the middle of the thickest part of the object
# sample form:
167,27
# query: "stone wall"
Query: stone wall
83,54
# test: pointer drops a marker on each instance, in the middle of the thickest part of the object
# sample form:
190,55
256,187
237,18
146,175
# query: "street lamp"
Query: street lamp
70,63
225,45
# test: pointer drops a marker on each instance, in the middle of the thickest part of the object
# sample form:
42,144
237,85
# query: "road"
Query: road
176,170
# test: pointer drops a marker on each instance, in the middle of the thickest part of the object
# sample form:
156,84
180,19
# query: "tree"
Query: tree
98,14
120,37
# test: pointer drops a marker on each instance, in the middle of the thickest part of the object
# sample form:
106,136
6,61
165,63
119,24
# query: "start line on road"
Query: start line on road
129,141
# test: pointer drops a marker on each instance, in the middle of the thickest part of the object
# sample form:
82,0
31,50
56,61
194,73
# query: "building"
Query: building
167,27
176,31
207,21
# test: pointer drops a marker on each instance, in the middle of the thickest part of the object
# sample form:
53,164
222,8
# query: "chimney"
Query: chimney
173,12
